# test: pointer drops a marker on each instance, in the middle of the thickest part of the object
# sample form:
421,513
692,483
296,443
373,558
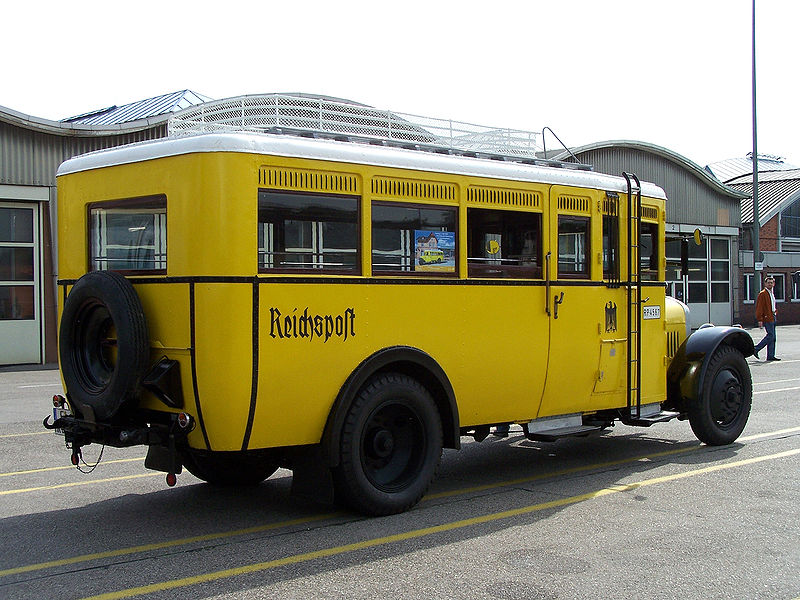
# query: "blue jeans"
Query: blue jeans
769,340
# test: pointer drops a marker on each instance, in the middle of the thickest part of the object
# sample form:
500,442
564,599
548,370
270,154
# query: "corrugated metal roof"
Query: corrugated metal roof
776,190
152,107
727,170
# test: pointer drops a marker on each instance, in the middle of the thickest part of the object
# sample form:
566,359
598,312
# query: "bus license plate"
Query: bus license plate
59,412
651,312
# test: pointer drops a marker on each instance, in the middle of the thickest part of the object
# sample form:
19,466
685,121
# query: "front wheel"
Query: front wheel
390,446
719,415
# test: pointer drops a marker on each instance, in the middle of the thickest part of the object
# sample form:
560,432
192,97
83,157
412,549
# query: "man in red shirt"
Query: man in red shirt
767,316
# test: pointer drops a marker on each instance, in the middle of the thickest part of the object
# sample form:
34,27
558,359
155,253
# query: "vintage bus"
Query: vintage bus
240,302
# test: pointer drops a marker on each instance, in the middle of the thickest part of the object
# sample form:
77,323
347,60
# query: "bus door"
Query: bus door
585,303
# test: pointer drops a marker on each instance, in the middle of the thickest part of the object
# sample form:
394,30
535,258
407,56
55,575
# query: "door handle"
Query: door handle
547,283
556,301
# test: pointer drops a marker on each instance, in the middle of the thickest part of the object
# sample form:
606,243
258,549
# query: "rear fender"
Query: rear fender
687,370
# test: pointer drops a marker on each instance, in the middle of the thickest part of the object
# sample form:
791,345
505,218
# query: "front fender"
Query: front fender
687,370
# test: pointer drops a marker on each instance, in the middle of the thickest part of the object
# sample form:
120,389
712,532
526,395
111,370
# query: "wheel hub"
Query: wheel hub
727,397
382,443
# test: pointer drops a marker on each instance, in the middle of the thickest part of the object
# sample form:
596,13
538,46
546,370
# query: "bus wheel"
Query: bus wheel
390,446
719,415
228,468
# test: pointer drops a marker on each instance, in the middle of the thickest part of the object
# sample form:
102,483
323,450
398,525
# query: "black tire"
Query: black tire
228,468
719,416
390,447
103,344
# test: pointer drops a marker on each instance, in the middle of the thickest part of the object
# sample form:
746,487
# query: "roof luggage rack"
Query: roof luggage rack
341,120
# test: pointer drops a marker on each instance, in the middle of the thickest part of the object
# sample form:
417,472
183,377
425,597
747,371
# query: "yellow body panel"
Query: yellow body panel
506,359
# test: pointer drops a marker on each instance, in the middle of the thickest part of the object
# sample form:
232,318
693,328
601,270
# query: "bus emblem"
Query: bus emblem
611,317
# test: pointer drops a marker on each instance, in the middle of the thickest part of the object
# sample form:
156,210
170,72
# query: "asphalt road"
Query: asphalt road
635,513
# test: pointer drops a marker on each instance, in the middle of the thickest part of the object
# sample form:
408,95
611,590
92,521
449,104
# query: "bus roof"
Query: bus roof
348,152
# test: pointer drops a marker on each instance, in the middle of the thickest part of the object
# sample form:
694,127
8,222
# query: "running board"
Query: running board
551,435
550,429
660,417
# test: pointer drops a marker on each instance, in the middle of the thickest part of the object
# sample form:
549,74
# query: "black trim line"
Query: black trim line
254,385
377,281
194,366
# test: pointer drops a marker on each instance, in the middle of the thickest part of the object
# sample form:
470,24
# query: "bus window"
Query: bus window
573,246
648,252
307,232
610,248
416,239
129,235
504,243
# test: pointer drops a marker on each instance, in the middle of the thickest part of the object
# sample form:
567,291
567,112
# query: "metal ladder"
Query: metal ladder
634,289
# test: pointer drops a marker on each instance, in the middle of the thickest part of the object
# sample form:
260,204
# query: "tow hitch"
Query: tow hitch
162,433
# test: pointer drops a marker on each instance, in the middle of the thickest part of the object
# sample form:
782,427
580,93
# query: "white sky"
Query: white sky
674,73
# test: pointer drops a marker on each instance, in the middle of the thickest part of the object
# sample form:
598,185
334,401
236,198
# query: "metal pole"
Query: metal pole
756,224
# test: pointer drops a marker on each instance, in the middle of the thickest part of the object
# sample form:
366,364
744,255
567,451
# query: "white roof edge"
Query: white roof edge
348,152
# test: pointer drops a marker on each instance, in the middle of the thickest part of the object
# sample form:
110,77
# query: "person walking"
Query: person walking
767,317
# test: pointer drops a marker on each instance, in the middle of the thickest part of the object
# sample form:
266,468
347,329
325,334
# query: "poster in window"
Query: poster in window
435,251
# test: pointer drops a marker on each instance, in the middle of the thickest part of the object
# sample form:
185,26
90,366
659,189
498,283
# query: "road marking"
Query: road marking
62,468
425,531
168,544
13,435
261,528
778,390
778,381
38,385
76,484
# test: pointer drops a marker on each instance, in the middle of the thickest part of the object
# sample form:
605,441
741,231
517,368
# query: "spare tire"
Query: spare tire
103,344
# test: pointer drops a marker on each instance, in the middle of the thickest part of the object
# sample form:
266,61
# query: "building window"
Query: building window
752,285
307,232
779,291
129,235
504,243
795,286
720,270
416,239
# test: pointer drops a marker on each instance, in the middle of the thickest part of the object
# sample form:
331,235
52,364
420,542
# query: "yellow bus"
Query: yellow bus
240,302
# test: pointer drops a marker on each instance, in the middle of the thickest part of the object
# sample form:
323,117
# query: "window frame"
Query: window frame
492,271
156,201
413,272
319,250
587,274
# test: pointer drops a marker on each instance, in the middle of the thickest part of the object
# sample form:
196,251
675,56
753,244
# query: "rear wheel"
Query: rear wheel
720,414
229,468
390,446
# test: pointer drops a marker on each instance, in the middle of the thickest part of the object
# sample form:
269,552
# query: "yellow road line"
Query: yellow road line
76,484
13,435
261,528
423,532
62,468
168,544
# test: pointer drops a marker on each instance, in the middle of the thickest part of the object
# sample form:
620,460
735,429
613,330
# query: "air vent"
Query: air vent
503,197
308,180
673,343
390,187
611,207
573,204
650,213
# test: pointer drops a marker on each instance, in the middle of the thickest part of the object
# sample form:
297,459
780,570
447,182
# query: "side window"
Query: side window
129,235
413,239
307,232
504,243
573,246
611,246
648,252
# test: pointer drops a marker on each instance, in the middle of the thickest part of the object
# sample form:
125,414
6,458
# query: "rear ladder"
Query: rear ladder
634,300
